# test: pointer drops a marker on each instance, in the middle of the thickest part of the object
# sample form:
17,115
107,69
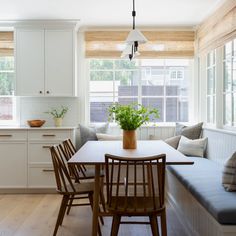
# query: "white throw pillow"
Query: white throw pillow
192,147
108,137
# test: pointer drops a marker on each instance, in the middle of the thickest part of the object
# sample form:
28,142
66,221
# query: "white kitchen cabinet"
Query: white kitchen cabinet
13,157
45,62
59,66
40,168
26,160
30,62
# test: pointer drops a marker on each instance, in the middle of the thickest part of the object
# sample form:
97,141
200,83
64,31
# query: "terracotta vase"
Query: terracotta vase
129,139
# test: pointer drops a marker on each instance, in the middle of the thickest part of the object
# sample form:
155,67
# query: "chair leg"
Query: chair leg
115,225
69,207
65,202
90,196
102,195
163,223
60,215
154,225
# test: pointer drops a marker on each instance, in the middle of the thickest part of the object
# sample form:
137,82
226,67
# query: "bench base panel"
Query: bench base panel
194,217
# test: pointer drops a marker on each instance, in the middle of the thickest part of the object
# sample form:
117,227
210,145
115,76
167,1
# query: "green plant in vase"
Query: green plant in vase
58,114
129,118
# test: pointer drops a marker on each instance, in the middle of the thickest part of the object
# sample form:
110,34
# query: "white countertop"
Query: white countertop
35,128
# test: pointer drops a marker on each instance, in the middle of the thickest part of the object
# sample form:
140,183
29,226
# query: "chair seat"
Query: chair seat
139,206
90,174
80,188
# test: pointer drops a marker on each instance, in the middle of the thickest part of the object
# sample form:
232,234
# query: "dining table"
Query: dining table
93,153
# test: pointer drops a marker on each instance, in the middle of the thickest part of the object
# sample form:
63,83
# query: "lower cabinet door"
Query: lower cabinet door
13,168
41,177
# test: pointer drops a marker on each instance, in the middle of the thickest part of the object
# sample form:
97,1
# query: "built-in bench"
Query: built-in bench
196,192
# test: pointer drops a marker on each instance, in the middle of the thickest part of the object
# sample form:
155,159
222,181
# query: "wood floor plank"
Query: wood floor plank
35,215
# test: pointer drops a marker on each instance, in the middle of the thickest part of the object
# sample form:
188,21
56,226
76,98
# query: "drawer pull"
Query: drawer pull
5,135
49,135
48,170
46,146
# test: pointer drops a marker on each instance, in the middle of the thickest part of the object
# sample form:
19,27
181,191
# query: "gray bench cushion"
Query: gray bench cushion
204,181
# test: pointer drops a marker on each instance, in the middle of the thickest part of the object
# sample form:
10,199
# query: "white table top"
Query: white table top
93,152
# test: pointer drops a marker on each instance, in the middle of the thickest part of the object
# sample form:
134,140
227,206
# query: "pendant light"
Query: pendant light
135,37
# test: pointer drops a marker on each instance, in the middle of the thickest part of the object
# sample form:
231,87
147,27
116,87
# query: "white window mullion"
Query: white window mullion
139,83
164,93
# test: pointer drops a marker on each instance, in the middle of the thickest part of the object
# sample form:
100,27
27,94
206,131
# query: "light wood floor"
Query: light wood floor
35,215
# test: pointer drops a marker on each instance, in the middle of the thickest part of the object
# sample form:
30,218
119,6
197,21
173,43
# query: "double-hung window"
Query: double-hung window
7,100
158,83
229,92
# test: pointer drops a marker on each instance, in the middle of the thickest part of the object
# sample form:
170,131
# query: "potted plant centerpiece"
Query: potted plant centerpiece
130,117
58,114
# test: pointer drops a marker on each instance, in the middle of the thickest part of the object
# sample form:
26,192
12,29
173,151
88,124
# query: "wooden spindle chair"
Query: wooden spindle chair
80,172
67,187
136,187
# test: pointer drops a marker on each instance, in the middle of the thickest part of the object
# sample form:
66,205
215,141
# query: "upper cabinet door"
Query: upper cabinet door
59,62
29,62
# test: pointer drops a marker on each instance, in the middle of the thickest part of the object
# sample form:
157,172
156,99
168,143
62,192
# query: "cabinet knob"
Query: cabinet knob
47,92
40,92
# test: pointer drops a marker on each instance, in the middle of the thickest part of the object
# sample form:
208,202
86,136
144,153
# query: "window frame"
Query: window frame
231,92
211,66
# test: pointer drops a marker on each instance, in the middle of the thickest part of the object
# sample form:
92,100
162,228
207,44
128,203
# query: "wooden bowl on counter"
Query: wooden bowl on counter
35,123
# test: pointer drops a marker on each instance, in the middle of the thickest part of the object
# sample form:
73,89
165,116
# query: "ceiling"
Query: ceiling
112,12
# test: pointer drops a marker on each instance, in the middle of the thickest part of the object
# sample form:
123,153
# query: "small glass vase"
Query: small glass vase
58,122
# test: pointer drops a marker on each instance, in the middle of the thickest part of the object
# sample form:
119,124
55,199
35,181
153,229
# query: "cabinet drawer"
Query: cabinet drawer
41,177
14,135
49,135
40,152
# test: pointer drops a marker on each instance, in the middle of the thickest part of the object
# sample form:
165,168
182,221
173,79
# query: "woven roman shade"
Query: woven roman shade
161,44
6,44
218,29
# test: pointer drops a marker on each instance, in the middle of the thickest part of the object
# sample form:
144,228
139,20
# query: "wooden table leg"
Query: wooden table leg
96,200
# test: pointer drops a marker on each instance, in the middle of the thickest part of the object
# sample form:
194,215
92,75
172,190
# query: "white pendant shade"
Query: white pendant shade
135,35
127,51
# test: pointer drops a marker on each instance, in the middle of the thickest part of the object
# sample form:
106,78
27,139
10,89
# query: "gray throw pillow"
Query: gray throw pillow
85,133
191,147
229,174
173,141
191,132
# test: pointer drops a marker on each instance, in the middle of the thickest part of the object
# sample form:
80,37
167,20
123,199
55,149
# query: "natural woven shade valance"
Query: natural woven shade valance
218,29
161,44
6,44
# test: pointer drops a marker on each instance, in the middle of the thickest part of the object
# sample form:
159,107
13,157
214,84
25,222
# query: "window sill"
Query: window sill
231,131
166,124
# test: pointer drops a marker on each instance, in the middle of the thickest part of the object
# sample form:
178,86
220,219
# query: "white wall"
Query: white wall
34,108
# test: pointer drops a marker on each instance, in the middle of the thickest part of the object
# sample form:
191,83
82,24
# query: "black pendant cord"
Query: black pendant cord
133,14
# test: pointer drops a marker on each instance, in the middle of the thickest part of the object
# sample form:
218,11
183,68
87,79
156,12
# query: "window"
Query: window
7,101
211,88
146,81
229,93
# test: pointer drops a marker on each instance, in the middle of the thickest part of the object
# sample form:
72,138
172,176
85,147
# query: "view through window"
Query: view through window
229,93
7,102
211,86
158,83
